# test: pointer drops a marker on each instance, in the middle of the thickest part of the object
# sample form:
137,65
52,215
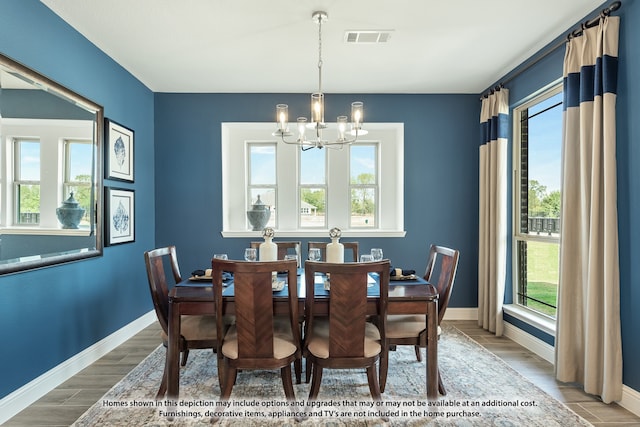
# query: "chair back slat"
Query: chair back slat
157,278
254,314
348,314
443,262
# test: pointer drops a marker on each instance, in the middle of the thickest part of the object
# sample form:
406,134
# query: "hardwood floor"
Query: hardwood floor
62,406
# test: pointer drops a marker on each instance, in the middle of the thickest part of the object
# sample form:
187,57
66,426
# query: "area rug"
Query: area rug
482,391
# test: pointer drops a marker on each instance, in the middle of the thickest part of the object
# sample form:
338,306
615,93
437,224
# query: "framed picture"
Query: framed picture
119,216
118,151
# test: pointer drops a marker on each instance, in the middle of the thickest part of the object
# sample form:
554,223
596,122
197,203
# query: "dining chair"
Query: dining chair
196,332
344,339
284,248
348,247
411,329
258,339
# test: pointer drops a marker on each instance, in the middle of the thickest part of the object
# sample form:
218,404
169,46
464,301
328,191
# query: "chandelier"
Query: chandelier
317,123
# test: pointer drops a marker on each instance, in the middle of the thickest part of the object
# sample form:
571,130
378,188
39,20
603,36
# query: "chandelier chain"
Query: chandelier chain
319,53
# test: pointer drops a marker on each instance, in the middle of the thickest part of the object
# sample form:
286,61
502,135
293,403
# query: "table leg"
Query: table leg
432,349
173,353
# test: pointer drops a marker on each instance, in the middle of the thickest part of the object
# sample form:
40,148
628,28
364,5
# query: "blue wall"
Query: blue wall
441,170
49,315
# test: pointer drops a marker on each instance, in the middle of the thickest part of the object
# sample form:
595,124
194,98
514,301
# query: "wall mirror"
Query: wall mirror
50,172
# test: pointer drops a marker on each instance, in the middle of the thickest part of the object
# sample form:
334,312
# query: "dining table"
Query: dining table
195,297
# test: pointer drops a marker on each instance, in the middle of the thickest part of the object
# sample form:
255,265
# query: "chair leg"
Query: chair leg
315,382
229,381
287,382
307,370
297,365
185,355
372,378
163,384
418,353
441,388
384,368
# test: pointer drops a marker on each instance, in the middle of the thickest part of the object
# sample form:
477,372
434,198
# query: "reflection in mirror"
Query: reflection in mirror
50,172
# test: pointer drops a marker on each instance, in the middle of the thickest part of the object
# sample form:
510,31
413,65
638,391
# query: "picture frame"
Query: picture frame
119,216
119,151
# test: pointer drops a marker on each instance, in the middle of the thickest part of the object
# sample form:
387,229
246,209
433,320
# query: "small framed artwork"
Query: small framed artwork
118,151
119,215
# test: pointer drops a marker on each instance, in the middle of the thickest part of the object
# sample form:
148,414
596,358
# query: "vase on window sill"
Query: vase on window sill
70,213
258,215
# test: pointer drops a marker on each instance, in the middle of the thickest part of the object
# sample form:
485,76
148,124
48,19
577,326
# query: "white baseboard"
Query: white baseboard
454,313
26,395
630,397
536,345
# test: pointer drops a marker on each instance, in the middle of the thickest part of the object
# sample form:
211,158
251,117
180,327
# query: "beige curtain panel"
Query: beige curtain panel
588,339
492,250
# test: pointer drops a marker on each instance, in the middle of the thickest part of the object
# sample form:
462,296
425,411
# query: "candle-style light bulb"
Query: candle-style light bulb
282,112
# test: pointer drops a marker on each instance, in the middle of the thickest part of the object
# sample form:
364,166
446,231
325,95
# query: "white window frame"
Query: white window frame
51,134
235,137
523,313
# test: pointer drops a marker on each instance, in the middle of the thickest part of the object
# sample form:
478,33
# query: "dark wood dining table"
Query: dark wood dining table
405,297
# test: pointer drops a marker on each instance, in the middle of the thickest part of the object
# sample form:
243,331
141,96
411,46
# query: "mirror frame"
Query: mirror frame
46,84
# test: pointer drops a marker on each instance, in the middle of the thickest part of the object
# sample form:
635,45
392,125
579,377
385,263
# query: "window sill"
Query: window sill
45,231
316,233
538,321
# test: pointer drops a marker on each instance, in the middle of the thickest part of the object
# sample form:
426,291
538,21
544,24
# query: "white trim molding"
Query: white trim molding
26,395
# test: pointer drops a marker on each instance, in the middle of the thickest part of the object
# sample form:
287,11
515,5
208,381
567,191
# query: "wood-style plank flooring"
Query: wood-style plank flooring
62,406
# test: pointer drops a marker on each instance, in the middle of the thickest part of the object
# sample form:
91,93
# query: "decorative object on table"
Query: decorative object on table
258,215
335,249
250,254
268,249
70,213
118,151
401,274
119,215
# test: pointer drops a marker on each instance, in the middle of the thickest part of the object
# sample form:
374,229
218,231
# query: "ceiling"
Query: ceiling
258,46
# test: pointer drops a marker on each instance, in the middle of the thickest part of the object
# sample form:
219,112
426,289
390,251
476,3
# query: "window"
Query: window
26,181
363,167
316,189
262,177
77,174
46,160
537,195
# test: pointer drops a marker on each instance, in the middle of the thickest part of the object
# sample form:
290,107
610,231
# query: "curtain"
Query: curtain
588,337
492,249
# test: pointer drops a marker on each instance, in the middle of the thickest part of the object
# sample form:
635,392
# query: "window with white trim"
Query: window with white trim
314,190
44,161
537,194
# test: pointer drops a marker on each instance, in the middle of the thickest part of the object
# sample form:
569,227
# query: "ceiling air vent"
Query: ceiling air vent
358,36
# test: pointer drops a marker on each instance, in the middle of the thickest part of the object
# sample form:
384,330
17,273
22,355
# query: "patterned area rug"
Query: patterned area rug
482,391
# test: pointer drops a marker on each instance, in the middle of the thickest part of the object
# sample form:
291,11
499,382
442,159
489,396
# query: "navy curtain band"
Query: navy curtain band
591,81
496,127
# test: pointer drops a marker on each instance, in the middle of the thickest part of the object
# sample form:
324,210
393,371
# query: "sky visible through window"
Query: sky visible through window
545,142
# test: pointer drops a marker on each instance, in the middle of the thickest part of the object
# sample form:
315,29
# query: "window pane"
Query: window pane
538,276
312,167
29,161
268,198
28,204
313,203
262,164
363,164
542,157
363,207
79,166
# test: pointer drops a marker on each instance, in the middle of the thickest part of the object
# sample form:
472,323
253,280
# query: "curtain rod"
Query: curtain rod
575,33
